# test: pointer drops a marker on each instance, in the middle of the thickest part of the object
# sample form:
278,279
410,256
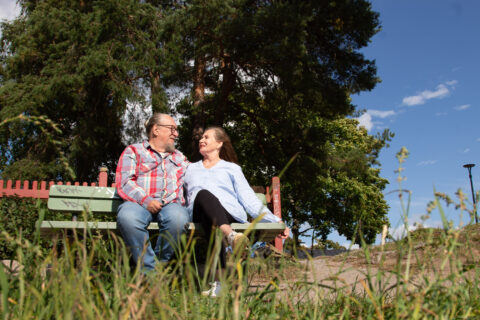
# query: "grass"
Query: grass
431,274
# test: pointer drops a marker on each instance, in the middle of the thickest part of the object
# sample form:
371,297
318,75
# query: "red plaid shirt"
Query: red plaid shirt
143,175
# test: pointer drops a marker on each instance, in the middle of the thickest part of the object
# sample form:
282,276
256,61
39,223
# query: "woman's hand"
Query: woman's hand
285,233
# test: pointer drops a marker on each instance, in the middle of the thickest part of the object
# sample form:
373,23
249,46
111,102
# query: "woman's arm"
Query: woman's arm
247,198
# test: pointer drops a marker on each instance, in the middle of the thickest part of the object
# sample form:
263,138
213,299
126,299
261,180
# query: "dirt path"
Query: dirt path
346,271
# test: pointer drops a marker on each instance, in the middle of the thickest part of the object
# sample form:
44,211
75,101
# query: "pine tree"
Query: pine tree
78,63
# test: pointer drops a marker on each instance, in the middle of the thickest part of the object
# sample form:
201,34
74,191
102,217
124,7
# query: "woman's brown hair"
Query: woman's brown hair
227,152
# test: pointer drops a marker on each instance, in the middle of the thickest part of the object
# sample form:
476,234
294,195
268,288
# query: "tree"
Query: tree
279,75
78,63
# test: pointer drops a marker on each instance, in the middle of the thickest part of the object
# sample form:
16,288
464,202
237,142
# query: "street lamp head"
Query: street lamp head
469,165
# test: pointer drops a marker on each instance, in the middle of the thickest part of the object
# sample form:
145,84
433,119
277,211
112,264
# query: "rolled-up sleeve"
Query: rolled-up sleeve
247,198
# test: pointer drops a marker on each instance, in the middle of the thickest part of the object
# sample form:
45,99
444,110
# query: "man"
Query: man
150,178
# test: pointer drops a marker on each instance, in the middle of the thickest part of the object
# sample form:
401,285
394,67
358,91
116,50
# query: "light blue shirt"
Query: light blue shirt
226,181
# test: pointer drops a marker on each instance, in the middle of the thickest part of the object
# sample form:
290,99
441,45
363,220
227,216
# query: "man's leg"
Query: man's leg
171,224
132,221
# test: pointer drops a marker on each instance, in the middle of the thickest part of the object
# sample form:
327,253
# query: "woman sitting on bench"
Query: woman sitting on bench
218,194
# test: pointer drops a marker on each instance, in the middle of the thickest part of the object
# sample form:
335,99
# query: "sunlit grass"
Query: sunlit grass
93,279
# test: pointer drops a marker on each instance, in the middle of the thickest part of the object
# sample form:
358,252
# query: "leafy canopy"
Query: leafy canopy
278,75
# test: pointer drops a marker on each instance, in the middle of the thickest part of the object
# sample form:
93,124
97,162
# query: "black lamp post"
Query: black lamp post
469,167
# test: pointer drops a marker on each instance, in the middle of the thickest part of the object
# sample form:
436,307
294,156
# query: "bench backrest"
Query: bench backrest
80,198
95,199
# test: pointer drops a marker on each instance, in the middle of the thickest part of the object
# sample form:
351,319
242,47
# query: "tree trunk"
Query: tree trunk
198,109
158,104
228,83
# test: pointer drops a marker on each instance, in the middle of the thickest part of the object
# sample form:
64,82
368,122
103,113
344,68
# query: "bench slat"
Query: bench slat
264,230
96,199
64,191
81,204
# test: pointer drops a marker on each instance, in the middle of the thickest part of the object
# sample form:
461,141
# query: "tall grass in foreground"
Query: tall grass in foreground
429,274
93,279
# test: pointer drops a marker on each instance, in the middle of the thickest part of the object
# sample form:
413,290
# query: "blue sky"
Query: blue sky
427,57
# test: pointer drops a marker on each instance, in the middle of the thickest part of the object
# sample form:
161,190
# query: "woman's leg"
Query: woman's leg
209,212
208,209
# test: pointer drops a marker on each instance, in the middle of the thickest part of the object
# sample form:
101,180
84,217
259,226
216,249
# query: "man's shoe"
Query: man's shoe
214,290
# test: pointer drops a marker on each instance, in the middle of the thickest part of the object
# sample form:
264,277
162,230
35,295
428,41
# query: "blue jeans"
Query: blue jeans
133,220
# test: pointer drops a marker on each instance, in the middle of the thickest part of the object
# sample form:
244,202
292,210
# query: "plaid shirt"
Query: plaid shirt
143,175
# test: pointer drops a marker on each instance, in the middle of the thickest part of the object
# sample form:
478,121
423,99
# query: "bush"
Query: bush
18,217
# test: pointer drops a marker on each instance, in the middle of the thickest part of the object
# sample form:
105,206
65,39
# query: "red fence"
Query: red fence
40,190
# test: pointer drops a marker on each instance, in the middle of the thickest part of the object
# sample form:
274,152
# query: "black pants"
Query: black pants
209,212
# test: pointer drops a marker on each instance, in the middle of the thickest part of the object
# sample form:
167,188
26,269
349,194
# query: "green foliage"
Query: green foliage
18,217
328,244
279,77
77,63
277,74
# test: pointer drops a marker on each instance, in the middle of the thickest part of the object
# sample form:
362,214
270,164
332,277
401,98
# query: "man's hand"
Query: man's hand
154,207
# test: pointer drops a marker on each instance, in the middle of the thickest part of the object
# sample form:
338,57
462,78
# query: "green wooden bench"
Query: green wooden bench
73,200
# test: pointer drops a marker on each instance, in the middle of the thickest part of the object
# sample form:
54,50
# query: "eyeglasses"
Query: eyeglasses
172,128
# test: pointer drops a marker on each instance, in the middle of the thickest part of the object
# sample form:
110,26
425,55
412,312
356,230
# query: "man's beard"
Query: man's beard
170,147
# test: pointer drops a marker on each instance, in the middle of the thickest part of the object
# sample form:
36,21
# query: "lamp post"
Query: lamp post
469,167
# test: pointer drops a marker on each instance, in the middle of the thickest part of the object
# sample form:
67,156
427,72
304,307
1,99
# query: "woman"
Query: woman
218,193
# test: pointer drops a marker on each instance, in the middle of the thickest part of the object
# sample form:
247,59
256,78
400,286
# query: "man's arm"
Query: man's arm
125,180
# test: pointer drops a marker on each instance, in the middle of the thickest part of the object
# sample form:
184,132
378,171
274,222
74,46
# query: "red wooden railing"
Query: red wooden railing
40,190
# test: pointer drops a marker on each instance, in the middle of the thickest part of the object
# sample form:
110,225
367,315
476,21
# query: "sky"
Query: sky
427,56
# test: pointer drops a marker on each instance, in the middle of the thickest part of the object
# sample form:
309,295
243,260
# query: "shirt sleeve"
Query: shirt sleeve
247,198
184,164
126,176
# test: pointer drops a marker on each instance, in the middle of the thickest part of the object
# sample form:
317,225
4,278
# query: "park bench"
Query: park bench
75,199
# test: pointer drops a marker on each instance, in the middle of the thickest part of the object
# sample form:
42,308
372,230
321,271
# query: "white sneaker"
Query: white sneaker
214,290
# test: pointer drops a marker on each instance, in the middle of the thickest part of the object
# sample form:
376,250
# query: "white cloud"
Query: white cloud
380,113
478,139
467,150
463,107
400,231
349,245
365,120
439,114
9,9
451,83
440,92
426,163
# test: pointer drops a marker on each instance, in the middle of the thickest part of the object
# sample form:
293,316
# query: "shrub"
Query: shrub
17,218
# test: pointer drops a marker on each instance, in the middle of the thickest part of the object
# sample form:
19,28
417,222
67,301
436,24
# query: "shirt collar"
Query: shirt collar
148,146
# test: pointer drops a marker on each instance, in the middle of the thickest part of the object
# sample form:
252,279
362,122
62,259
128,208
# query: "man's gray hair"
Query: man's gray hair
156,118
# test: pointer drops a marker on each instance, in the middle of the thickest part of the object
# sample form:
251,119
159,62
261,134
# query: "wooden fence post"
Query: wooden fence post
103,177
277,207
